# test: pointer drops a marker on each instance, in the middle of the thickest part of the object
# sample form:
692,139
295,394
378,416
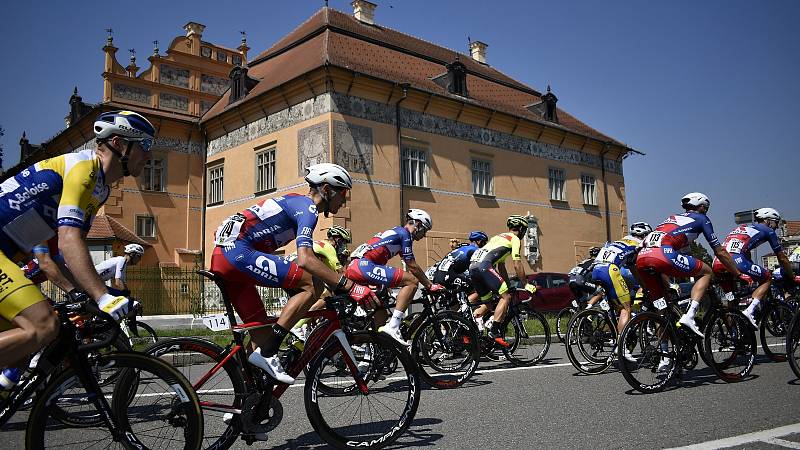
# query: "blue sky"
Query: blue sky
709,90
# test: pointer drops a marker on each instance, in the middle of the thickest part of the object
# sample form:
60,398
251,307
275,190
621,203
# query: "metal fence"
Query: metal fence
175,290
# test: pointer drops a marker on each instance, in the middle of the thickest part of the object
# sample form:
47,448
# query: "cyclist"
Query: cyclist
485,264
243,257
60,196
368,266
113,269
740,242
609,264
580,277
451,271
666,252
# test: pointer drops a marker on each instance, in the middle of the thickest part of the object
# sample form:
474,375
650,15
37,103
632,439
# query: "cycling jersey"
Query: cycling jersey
457,261
620,253
383,246
680,230
610,277
65,190
112,268
745,238
498,249
795,256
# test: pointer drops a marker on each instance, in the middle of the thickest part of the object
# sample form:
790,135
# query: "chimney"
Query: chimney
478,51
550,100
364,11
194,32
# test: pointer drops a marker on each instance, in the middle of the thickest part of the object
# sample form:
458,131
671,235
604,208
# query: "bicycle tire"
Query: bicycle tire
531,338
730,345
773,330
643,329
177,409
182,353
588,328
325,412
563,319
142,335
430,349
793,344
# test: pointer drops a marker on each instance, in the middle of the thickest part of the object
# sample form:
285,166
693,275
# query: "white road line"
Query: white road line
768,436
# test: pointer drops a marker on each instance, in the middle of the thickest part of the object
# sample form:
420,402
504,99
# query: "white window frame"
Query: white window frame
265,162
142,223
415,167
148,174
216,184
589,189
482,177
556,181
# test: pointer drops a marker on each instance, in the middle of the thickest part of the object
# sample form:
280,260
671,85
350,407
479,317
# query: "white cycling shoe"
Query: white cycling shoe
751,318
664,365
395,334
690,324
271,365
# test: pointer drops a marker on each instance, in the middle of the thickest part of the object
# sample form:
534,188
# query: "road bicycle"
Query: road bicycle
352,397
138,333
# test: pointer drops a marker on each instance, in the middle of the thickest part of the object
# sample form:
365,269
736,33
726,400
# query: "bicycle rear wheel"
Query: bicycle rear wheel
446,349
163,411
528,334
793,344
730,345
652,344
350,419
590,341
773,330
562,321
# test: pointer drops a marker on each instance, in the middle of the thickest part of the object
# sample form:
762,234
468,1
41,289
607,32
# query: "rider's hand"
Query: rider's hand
746,278
364,296
76,295
436,287
530,288
797,280
117,307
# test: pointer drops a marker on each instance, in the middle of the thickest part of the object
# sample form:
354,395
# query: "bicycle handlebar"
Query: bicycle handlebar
91,307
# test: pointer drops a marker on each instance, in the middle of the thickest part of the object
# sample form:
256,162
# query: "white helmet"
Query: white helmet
333,174
127,124
767,213
134,249
421,216
695,199
641,229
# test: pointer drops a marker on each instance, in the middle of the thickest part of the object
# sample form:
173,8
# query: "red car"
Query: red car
552,291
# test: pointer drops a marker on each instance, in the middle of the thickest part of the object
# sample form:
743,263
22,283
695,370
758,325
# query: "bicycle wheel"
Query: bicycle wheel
164,411
352,419
590,341
651,343
730,345
447,349
224,390
773,330
793,345
562,321
528,335
142,335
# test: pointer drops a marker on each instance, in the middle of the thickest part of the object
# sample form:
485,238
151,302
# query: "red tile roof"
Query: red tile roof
335,38
793,228
104,227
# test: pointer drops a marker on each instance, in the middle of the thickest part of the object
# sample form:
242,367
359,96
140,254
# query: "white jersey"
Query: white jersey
112,268
795,256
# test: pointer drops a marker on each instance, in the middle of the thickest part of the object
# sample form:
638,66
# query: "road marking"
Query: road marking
767,436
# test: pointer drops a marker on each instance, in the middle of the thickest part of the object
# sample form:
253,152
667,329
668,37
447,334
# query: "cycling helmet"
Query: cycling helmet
337,231
126,124
517,221
767,213
594,251
333,174
694,199
641,229
477,236
421,216
134,249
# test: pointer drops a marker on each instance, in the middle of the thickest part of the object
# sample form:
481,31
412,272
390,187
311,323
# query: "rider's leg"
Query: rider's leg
408,287
34,327
699,289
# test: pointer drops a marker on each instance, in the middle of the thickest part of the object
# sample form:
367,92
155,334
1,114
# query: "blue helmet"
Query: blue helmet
478,236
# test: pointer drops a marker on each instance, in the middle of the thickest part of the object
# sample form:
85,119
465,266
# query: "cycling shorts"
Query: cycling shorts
757,273
366,272
486,280
243,268
16,292
610,277
453,280
654,261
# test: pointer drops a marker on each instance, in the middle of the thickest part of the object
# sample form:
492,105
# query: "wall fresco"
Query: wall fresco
213,85
174,76
172,101
352,147
131,93
313,146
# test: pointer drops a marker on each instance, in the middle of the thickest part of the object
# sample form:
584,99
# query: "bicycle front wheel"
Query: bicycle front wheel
793,345
651,344
153,406
142,335
528,334
590,341
562,321
349,418
730,345
773,330
447,350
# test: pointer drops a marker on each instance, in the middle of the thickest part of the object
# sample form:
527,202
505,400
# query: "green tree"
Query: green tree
700,252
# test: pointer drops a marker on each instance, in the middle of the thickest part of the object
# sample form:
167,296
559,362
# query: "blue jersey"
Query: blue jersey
680,230
458,259
745,238
271,224
383,246
621,253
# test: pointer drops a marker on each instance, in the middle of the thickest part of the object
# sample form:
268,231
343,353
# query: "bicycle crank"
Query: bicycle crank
261,413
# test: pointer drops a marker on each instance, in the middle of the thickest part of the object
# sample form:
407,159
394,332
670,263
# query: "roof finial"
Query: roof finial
133,55
326,3
110,38
155,48
75,91
548,87
244,36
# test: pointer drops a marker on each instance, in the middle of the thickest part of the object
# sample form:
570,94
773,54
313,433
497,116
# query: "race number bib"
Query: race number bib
654,239
608,254
478,255
735,246
360,251
604,305
228,232
444,266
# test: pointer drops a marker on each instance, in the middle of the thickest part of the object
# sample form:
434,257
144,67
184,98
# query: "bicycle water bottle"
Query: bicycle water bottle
10,377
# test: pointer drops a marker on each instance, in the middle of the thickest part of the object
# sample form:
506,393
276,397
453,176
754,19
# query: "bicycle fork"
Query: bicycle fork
350,360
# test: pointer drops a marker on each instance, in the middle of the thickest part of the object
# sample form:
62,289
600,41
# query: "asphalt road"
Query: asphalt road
551,406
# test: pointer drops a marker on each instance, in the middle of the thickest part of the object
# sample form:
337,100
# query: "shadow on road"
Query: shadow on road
419,434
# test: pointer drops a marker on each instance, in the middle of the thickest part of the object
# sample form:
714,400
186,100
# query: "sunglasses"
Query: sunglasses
145,143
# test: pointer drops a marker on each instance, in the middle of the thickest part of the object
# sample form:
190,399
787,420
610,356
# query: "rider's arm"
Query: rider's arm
307,260
119,276
76,254
417,271
51,268
783,260
519,269
726,260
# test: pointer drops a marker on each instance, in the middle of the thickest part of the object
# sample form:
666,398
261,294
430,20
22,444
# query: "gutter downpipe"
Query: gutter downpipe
404,87
606,149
